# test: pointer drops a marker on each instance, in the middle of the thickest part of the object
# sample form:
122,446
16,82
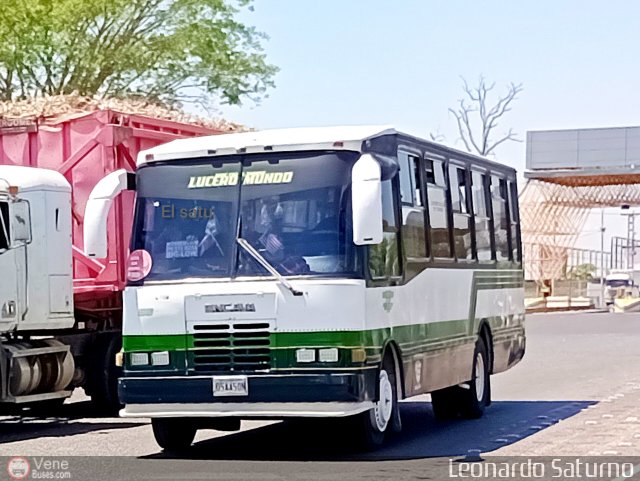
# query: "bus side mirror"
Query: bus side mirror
366,201
96,212
20,223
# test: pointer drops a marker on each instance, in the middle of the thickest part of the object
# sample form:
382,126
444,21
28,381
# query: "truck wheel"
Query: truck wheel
104,373
173,434
375,423
51,407
474,400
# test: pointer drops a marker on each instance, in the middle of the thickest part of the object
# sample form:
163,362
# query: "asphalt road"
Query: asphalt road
573,361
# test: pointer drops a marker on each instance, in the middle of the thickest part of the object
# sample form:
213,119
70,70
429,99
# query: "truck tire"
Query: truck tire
173,434
104,374
48,408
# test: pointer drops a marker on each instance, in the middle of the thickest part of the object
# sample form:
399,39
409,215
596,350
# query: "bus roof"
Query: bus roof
276,140
287,140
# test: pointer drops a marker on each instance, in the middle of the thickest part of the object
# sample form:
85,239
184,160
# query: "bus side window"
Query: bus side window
437,202
515,222
481,214
384,259
5,239
499,202
461,217
413,233
407,178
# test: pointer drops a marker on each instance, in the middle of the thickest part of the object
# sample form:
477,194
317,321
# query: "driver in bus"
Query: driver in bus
271,218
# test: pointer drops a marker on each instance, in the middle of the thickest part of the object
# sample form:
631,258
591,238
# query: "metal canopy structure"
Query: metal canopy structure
570,172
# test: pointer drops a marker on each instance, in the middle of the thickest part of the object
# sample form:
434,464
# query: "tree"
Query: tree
171,51
477,119
582,272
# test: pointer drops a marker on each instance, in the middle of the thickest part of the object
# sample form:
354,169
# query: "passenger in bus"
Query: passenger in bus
210,232
271,215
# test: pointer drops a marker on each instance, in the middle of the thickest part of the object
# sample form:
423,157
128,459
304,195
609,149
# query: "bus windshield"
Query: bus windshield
294,209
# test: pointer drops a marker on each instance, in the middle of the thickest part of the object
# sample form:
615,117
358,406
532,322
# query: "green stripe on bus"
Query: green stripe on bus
167,342
405,336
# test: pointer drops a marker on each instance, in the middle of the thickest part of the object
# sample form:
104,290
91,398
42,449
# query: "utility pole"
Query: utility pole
631,236
602,229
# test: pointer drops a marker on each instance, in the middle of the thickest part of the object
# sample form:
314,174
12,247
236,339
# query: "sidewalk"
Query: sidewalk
609,428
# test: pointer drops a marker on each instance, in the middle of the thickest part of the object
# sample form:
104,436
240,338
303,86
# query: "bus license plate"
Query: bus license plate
230,386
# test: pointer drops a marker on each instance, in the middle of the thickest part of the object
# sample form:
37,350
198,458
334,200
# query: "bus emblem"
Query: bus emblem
387,304
238,307
417,371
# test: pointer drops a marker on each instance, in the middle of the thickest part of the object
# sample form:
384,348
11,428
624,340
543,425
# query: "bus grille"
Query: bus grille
231,347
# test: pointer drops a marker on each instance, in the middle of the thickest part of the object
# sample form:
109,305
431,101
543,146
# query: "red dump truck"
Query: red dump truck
83,147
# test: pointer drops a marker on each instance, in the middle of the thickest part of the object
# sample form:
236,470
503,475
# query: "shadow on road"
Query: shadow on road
65,420
504,423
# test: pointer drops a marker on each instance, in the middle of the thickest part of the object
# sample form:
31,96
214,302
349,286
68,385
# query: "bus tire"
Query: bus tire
173,434
444,403
375,423
474,400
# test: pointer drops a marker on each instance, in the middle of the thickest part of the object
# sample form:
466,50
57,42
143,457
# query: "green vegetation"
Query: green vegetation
169,51
582,272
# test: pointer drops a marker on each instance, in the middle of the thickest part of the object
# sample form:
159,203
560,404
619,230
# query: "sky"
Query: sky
382,62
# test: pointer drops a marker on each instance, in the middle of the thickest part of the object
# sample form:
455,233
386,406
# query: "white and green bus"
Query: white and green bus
325,272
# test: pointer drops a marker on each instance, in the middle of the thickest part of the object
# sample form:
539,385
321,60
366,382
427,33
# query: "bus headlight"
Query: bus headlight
139,359
328,355
160,358
306,355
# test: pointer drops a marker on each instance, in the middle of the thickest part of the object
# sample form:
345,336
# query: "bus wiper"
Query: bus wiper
265,263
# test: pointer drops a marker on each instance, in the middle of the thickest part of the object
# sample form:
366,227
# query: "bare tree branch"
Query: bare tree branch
437,136
476,131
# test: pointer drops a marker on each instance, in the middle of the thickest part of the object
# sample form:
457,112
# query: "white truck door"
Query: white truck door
9,302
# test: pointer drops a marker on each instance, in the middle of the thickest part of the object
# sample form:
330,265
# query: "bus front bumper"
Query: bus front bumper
269,396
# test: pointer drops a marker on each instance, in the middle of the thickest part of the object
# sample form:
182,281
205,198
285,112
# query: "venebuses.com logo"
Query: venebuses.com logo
18,467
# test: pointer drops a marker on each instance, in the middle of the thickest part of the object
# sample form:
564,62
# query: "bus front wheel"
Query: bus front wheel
173,434
375,423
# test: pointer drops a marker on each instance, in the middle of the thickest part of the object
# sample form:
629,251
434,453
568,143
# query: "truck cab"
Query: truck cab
622,283
36,293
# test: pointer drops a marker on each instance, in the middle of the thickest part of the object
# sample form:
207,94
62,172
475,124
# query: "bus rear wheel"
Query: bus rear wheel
375,423
173,434
474,400
444,403
468,401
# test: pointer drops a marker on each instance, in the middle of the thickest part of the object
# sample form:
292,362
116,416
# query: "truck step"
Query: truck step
30,398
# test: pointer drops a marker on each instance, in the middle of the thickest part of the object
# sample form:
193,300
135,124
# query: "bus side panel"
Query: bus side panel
429,320
435,320
500,302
